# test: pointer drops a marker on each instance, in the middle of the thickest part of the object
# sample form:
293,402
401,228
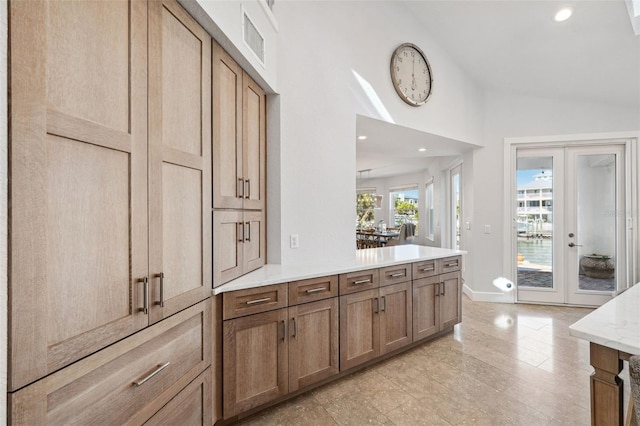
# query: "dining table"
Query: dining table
375,238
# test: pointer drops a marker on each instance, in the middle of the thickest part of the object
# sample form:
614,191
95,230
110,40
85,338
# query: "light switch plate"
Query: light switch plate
294,241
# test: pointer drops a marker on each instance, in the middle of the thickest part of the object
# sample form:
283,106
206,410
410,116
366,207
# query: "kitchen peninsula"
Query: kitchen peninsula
289,328
614,332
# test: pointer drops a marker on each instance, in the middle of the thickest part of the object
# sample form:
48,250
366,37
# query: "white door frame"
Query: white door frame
628,139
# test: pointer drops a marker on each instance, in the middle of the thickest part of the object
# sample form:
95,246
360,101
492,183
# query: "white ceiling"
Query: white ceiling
514,46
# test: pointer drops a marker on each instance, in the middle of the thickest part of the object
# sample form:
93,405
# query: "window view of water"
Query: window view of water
537,252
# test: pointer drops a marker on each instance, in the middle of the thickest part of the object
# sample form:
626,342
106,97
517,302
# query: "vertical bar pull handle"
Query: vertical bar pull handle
161,302
145,296
438,290
294,327
240,188
442,291
284,330
377,306
240,230
247,193
247,234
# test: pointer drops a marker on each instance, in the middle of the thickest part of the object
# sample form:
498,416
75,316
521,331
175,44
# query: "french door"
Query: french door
570,224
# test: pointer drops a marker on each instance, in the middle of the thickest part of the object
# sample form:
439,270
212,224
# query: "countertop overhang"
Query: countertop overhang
363,259
616,324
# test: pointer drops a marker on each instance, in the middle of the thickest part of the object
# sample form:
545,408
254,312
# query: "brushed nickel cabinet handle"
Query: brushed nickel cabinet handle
315,290
253,302
384,303
398,275
240,192
156,371
247,235
284,330
437,290
377,306
442,291
247,194
240,230
145,296
161,302
294,327
368,280
449,265
428,269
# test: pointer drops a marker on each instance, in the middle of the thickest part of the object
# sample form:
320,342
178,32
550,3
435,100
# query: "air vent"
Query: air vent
253,38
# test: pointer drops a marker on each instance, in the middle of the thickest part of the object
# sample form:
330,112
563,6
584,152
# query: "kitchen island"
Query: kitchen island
614,332
286,329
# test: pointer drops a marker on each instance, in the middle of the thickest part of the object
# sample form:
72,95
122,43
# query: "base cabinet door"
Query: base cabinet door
396,317
359,328
426,307
313,342
450,300
255,361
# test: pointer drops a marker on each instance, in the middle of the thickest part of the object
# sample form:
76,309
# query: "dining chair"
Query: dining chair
405,236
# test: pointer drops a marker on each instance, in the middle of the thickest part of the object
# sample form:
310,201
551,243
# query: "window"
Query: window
366,199
404,206
430,209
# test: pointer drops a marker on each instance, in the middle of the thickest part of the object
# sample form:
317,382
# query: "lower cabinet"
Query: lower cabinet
270,354
374,322
129,381
437,304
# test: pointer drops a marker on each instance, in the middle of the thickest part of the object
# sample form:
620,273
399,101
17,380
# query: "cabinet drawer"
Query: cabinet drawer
312,289
450,264
426,268
359,280
395,274
253,300
126,382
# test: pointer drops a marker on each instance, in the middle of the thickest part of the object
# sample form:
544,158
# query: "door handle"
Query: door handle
575,245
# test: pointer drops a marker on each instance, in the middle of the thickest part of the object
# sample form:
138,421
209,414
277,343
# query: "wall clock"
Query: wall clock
411,74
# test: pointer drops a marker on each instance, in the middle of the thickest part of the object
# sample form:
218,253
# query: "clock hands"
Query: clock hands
413,76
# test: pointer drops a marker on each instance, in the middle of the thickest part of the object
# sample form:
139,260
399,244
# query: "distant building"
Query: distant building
535,205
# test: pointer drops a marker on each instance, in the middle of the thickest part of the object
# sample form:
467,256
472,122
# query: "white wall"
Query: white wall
510,116
321,45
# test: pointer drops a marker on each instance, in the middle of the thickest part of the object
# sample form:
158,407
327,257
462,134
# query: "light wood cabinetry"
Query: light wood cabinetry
274,350
129,381
110,224
374,322
239,170
437,299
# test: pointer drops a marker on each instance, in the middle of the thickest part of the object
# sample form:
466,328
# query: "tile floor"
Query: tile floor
503,365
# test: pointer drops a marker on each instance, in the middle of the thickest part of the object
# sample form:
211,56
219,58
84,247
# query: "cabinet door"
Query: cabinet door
253,144
255,359
450,301
254,246
180,159
313,342
228,230
396,317
78,167
228,181
191,407
426,307
359,328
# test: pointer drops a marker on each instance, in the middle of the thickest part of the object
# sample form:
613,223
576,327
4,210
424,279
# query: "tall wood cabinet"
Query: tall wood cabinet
239,169
110,165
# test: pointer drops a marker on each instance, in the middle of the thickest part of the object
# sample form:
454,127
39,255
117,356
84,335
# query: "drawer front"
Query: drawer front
450,264
126,382
253,300
425,268
313,289
395,274
359,280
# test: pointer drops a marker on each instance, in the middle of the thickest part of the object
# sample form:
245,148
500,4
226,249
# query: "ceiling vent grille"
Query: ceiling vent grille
253,38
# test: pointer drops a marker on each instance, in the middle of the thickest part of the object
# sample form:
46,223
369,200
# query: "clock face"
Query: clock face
411,74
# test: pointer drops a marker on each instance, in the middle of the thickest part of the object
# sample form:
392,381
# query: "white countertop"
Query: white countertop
616,324
364,259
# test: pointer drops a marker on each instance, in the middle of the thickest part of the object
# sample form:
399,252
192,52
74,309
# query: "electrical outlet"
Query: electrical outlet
294,241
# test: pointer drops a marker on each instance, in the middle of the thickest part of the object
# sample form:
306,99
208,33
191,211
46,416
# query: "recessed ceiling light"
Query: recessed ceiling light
363,137
563,14
422,149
